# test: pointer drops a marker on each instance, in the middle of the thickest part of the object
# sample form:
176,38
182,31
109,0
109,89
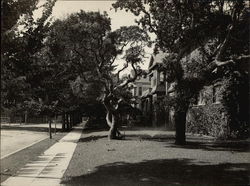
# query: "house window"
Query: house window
140,91
135,89
162,77
216,94
154,81
166,85
201,100
196,100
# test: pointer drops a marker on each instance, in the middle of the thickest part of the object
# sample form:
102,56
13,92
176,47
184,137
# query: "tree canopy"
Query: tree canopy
182,26
84,45
22,37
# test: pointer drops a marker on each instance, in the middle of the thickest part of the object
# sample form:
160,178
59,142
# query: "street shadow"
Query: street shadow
195,143
164,172
132,137
158,138
90,130
135,128
237,146
91,138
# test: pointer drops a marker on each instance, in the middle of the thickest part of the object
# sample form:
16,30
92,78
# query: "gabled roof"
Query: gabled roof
146,93
157,59
158,89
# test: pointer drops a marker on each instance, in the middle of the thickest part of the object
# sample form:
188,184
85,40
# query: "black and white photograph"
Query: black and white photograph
125,93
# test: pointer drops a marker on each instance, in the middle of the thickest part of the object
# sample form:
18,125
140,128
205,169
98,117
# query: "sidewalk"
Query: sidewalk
50,166
14,137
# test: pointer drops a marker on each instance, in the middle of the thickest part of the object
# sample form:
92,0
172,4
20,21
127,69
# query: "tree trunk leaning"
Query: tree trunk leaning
63,122
50,133
180,124
112,122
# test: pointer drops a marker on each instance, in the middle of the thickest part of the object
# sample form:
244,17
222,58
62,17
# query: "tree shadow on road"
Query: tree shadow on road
164,172
146,137
233,146
193,142
91,138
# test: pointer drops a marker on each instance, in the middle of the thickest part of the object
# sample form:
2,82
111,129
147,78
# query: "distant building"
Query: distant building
137,87
207,115
151,98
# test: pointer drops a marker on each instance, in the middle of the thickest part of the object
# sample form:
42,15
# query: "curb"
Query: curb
23,148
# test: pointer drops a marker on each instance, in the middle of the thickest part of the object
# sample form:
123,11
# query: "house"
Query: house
141,84
216,104
152,98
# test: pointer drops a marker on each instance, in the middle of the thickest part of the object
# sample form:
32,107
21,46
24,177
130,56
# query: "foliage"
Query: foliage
228,119
183,26
20,47
12,10
235,100
84,48
68,65
207,120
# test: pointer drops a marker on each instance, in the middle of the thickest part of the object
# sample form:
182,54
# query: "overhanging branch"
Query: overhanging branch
119,71
125,83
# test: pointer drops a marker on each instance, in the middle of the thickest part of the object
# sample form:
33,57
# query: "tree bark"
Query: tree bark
50,133
70,120
25,117
63,121
67,122
180,127
112,121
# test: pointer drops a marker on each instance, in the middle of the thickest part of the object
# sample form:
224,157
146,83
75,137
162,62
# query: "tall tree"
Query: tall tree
22,38
181,26
92,50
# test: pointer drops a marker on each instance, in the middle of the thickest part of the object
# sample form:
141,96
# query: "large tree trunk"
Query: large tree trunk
63,121
113,128
25,117
112,117
180,112
67,122
112,121
71,120
180,127
50,132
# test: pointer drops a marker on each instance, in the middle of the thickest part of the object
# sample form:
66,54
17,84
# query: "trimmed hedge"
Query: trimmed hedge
208,120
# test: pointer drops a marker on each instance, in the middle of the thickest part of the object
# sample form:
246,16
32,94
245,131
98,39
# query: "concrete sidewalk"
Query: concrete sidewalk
50,166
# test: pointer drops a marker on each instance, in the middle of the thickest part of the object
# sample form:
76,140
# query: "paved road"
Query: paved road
50,166
16,137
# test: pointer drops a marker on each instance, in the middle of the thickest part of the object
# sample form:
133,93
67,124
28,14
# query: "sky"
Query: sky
120,18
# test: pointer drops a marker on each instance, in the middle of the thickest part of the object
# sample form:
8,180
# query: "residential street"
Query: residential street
15,137
125,93
144,157
49,166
